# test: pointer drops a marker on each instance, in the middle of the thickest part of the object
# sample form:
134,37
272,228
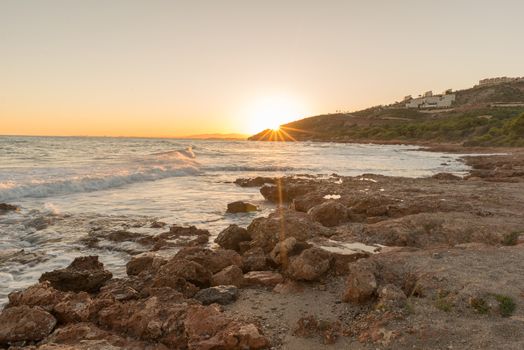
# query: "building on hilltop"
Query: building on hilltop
428,100
498,80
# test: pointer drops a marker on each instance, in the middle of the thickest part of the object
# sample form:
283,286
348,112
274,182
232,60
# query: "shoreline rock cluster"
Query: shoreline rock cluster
364,262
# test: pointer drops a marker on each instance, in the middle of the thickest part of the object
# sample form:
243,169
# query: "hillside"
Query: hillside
480,116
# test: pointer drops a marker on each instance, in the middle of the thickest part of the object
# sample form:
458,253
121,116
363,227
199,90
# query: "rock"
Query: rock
231,275
176,268
177,236
41,294
147,262
24,323
264,278
254,182
285,249
361,284
330,213
307,201
288,287
390,297
241,207
4,207
344,253
310,265
282,224
285,192
84,274
225,294
213,260
75,307
255,260
446,177
123,289
208,329
231,237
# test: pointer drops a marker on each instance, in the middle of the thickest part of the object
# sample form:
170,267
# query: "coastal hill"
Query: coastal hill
489,114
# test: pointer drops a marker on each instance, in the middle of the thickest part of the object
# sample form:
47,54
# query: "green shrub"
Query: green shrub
510,238
506,305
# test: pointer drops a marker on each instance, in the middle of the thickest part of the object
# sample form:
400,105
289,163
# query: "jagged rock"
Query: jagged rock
123,289
231,275
284,223
391,296
284,192
83,274
241,207
224,294
254,182
4,207
231,237
41,294
290,247
255,260
307,201
147,262
207,328
310,265
24,323
169,274
330,213
75,307
213,260
264,278
361,284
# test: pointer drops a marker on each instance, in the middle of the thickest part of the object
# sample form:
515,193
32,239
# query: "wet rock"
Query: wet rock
330,213
223,295
177,236
231,237
231,275
263,278
255,260
151,319
24,323
158,224
41,294
177,268
446,177
310,265
84,274
39,223
390,297
361,284
213,260
4,207
241,207
75,307
147,262
254,182
284,223
207,328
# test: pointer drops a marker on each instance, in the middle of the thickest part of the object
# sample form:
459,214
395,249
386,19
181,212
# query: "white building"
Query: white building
432,101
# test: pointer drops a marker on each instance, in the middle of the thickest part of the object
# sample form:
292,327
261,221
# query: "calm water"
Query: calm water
69,186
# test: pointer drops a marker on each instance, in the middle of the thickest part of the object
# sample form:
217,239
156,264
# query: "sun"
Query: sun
271,112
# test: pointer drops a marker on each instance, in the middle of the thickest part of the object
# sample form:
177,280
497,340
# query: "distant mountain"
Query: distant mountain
231,136
489,115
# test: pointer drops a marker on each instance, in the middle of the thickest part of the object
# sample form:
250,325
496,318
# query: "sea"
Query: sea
69,187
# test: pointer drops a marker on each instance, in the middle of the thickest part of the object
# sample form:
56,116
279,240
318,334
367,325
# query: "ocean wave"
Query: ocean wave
268,168
185,153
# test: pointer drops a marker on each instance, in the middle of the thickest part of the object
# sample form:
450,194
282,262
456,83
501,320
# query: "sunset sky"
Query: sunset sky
172,68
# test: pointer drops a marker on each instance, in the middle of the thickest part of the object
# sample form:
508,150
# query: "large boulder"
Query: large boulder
222,295
231,237
147,262
207,328
330,213
213,260
231,275
24,324
170,273
241,207
361,284
83,274
310,265
41,294
284,223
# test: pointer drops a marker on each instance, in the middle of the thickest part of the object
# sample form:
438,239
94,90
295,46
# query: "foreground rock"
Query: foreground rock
83,274
310,265
241,207
24,323
220,294
329,214
361,284
232,236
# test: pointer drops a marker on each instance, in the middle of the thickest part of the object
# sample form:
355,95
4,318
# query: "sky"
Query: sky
173,68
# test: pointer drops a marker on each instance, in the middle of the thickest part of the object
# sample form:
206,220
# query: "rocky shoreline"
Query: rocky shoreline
360,262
